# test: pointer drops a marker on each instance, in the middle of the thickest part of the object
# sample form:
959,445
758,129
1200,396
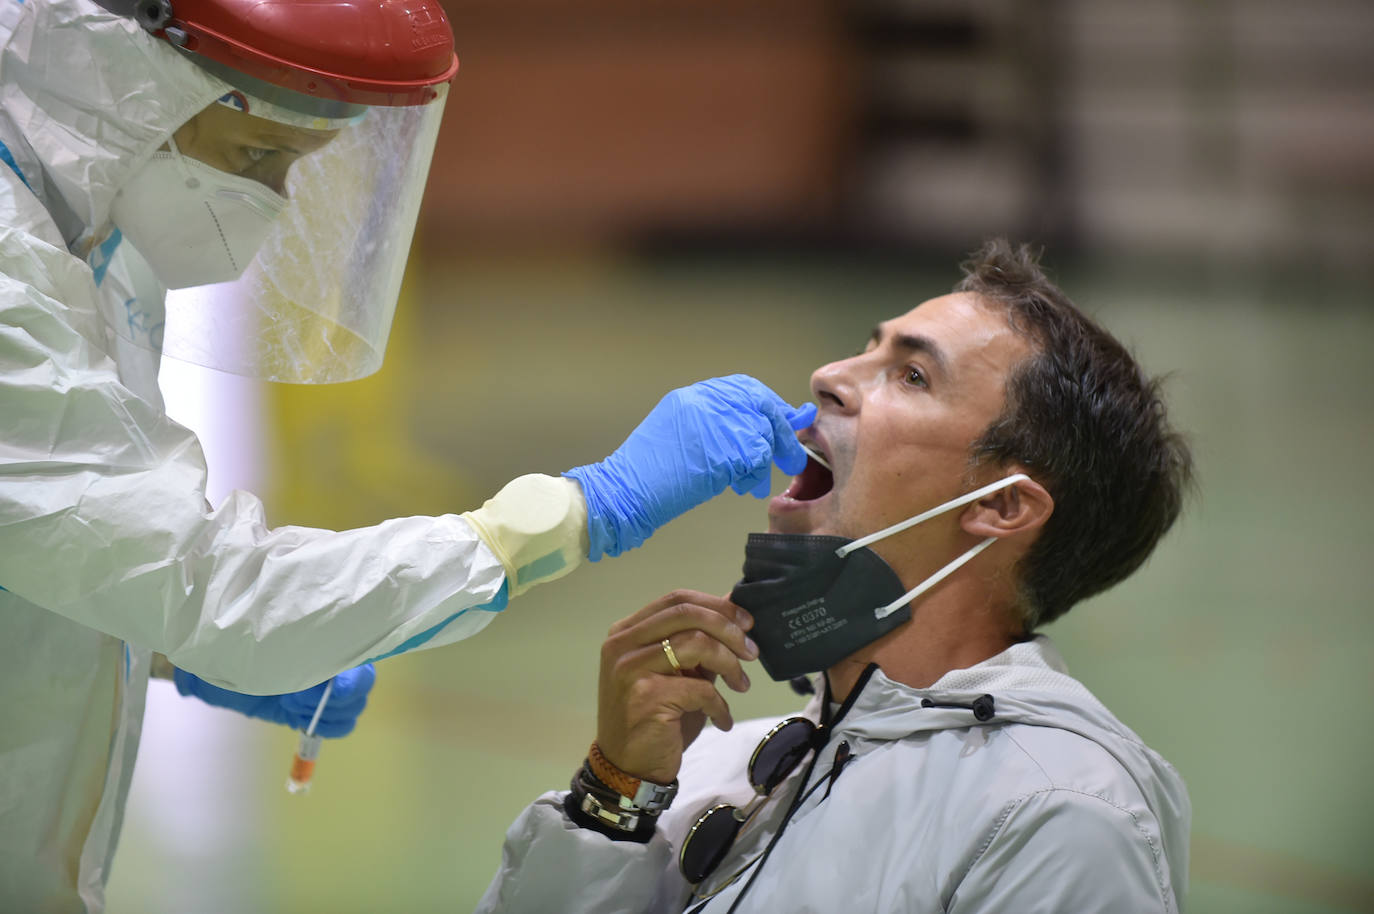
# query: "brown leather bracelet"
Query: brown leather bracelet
627,785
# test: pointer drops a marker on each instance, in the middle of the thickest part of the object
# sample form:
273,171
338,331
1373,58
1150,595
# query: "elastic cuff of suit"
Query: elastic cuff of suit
537,526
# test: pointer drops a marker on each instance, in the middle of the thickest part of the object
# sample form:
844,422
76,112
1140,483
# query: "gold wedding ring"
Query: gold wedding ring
672,658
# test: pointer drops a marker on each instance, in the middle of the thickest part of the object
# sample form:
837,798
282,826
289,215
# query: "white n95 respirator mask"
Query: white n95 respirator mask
194,224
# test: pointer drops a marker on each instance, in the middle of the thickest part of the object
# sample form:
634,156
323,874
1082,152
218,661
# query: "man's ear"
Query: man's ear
1019,508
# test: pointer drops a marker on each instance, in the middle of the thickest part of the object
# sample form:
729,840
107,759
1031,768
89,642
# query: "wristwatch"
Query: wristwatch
613,810
645,795
654,798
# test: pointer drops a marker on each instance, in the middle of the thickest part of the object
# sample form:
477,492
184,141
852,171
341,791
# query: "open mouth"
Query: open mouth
812,483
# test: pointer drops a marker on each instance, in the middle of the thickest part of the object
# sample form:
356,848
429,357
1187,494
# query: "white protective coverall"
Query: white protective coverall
109,551
1053,806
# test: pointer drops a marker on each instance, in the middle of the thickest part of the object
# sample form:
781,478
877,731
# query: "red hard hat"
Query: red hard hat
359,52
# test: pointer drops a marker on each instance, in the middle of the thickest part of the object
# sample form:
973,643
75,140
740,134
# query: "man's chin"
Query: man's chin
775,527
792,519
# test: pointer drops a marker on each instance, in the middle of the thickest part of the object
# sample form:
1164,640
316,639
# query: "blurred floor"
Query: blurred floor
1242,652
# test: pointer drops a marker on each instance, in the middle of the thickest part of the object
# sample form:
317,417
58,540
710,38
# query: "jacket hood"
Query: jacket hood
93,95
1030,685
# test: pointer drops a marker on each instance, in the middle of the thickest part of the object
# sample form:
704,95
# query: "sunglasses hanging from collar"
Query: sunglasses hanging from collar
775,758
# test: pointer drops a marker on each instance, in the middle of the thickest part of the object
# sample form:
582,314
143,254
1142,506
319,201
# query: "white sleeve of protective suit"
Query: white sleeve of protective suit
104,520
549,864
1061,850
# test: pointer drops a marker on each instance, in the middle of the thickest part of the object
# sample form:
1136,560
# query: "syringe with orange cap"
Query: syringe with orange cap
303,765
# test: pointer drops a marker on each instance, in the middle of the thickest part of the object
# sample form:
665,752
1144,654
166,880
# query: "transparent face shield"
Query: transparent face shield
315,303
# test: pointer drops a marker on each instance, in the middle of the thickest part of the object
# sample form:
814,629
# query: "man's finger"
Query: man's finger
696,652
684,617
698,695
716,602
668,599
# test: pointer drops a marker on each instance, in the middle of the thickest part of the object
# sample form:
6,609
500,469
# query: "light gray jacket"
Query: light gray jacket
1051,806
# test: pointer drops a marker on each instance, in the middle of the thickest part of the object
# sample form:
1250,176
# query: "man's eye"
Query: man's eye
256,153
915,377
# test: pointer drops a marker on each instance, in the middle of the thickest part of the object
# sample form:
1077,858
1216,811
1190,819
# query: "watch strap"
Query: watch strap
654,798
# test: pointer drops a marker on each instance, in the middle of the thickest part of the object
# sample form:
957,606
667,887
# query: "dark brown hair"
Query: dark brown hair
1089,425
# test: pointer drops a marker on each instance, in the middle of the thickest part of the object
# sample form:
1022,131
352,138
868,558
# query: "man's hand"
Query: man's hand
647,712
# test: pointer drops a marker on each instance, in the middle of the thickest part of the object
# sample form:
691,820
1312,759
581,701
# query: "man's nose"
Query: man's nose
833,386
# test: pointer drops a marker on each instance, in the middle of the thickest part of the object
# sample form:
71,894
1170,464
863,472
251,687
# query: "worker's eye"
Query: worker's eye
915,377
257,153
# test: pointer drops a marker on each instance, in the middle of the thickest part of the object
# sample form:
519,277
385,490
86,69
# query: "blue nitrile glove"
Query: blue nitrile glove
295,709
698,440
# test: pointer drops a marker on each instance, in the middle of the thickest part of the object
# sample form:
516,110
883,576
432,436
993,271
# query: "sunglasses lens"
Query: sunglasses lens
774,760
707,843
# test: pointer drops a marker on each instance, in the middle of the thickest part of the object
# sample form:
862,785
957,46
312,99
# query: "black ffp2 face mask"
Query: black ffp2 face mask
817,599
811,607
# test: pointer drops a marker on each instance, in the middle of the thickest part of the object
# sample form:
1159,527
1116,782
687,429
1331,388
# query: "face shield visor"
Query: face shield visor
313,254
315,302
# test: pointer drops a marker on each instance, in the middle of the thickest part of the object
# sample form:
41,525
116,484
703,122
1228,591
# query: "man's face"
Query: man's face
896,422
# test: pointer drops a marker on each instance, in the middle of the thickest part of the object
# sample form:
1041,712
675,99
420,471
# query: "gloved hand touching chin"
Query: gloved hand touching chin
697,441
295,709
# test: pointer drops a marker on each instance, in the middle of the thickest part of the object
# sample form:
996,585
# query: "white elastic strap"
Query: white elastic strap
180,158
933,512
882,612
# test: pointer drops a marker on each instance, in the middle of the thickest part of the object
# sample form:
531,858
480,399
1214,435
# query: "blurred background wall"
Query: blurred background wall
630,196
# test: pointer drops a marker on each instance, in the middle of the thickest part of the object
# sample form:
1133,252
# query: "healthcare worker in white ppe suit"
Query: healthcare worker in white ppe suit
279,150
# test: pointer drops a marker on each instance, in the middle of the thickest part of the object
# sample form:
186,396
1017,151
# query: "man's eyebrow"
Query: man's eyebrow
914,342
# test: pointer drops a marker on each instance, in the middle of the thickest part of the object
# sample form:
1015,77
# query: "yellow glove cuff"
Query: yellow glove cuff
537,526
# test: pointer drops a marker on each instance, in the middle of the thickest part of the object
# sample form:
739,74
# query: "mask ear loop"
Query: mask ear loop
883,612
270,207
191,180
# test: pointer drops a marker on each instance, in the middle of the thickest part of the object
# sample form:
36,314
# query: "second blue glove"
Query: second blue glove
698,440
294,709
